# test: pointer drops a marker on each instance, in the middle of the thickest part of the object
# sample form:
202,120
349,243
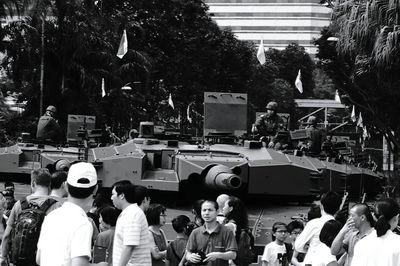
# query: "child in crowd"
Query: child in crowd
295,228
176,249
105,239
275,253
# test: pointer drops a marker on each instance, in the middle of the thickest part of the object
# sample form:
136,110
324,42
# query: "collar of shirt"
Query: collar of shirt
215,231
73,207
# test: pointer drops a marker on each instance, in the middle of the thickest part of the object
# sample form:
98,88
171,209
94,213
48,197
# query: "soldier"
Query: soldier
48,128
267,125
314,142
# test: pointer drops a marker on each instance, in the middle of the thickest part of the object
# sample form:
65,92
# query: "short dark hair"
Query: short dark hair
153,213
329,231
296,224
141,192
127,188
314,212
79,192
110,215
180,222
57,179
331,202
41,177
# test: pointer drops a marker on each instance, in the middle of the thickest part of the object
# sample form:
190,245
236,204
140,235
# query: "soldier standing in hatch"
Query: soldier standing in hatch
314,142
267,126
48,128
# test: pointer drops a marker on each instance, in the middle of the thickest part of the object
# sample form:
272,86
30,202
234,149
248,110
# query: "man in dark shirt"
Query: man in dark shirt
314,143
48,128
213,244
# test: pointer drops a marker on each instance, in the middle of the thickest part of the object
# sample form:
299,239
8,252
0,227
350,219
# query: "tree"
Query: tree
365,61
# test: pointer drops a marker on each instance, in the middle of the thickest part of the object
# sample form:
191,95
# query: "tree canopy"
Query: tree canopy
364,61
174,48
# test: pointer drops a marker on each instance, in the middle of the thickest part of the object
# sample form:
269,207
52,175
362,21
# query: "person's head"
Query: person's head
311,121
101,200
294,229
279,231
51,110
387,214
40,178
221,199
330,202
361,214
156,215
209,211
234,209
58,180
8,185
196,210
272,108
314,212
82,180
108,217
180,224
329,231
142,196
123,193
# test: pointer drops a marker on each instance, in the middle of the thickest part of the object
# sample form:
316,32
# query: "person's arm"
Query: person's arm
304,237
192,257
294,259
337,244
5,243
126,255
264,263
84,261
155,251
227,255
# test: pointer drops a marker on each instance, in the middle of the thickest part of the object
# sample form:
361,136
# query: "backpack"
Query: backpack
25,234
246,253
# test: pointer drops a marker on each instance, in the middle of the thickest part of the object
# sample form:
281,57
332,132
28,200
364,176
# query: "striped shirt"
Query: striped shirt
132,230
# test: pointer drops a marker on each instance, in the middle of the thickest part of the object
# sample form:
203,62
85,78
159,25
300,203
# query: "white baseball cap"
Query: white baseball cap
82,175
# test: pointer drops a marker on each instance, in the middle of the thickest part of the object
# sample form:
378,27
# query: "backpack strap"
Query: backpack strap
47,204
24,203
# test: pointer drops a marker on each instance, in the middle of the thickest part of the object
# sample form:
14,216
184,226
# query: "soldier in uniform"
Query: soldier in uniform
267,126
314,142
48,128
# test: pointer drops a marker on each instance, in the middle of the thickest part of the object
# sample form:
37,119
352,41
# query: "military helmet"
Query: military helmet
272,106
312,120
51,108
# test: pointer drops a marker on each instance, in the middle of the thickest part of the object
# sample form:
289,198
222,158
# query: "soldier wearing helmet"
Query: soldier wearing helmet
267,125
314,142
48,128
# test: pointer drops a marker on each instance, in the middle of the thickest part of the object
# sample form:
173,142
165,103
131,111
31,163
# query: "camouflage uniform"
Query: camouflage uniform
268,127
48,128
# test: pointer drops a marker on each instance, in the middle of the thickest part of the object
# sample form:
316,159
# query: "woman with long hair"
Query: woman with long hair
156,218
380,247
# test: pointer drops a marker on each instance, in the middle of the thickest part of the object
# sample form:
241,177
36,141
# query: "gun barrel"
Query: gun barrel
221,177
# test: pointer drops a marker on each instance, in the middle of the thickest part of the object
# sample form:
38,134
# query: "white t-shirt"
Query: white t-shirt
274,254
323,256
132,230
66,234
377,251
310,235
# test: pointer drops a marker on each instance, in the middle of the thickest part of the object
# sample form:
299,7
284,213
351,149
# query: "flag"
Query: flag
365,133
123,46
298,83
170,102
188,114
353,114
103,88
360,121
261,53
337,97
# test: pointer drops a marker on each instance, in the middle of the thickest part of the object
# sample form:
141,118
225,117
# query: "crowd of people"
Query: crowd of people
66,221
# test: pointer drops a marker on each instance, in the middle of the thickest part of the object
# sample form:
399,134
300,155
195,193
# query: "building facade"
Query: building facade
277,22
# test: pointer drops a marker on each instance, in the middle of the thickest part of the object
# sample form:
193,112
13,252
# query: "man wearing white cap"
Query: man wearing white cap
66,235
